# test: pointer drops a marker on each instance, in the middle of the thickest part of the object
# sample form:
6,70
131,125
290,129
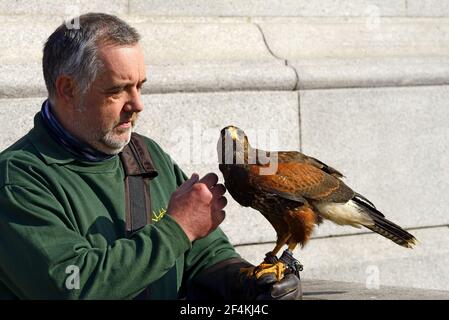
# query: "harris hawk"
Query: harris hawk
298,193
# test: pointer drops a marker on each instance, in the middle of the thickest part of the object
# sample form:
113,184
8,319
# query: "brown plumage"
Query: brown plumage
298,194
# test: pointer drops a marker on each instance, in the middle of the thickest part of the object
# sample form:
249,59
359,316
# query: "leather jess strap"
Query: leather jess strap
139,170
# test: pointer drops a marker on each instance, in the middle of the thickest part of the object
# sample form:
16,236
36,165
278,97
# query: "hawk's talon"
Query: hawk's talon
265,270
277,269
249,272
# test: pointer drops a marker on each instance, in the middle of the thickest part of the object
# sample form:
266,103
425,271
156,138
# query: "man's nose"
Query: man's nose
134,103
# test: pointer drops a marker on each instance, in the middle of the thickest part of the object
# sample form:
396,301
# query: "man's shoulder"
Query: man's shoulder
20,156
20,150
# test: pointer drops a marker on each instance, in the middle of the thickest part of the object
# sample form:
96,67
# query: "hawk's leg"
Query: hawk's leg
290,262
271,267
270,258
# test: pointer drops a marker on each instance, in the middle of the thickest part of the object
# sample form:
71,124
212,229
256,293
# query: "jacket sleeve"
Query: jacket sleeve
207,252
41,255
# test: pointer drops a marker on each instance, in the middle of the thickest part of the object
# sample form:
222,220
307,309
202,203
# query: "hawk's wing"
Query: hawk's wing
299,181
295,156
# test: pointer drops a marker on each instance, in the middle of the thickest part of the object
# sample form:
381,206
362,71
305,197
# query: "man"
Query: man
66,231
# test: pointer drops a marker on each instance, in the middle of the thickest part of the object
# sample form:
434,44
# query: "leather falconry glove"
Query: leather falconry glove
226,281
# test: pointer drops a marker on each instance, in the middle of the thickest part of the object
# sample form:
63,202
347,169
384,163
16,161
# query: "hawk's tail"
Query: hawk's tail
383,226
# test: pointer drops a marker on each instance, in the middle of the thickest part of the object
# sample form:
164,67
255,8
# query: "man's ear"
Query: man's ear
66,89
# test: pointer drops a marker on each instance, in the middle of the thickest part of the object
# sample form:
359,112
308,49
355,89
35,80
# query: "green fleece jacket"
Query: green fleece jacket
62,228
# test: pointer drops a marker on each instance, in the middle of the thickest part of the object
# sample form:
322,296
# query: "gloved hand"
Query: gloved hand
225,281
268,288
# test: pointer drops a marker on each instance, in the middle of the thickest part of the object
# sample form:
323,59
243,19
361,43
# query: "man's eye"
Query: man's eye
115,93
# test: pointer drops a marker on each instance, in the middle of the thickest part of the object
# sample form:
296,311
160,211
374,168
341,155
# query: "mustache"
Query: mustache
129,117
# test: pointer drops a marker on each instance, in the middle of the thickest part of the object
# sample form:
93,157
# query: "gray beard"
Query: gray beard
102,139
114,145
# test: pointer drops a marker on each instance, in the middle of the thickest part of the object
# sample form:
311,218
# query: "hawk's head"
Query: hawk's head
232,146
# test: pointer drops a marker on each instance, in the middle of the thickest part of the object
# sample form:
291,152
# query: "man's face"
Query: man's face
107,113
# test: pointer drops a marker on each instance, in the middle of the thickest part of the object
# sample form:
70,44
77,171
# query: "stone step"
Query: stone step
193,54
299,38
371,72
165,41
24,80
320,8
340,290
169,40
21,79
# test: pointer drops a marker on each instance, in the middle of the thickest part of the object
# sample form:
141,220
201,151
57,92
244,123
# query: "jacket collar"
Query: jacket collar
53,153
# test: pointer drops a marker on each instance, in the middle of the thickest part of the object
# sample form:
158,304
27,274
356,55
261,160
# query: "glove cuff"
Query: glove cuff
219,282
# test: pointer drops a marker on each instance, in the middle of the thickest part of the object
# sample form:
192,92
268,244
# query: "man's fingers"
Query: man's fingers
209,180
220,216
219,204
218,190
188,183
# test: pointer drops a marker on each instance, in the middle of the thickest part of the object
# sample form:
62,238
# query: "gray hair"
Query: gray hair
73,51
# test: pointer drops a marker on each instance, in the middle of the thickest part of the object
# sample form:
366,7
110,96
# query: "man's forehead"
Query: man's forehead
122,62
